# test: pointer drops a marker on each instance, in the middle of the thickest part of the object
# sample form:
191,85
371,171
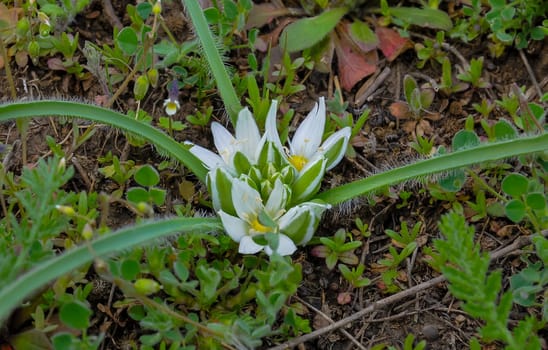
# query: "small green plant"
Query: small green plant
484,108
337,249
431,50
470,281
423,145
449,84
147,177
355,275
473,74
418,100
528,200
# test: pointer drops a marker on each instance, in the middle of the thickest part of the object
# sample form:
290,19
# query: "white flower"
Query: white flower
255,218
247,140
306,147
171,106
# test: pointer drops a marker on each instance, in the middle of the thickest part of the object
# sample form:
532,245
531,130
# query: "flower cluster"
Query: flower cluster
264,192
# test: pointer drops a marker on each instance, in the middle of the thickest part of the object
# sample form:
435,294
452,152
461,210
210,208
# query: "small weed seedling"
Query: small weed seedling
337,249
473,74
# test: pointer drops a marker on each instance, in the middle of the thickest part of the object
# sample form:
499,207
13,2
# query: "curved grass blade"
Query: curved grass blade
46,108
15,292
483,153
226,90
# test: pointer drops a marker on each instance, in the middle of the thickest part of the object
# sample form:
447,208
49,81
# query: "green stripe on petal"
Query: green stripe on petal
334,147
308,182
221,190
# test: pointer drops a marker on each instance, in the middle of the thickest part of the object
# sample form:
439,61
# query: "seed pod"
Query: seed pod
146,286
152,75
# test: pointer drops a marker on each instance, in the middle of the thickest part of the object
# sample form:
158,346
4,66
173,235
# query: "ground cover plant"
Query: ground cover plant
166,214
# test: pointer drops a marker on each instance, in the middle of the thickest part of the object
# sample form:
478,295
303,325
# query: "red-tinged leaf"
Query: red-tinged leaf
391,43
56,64
353,66
400,110
344,298
262,14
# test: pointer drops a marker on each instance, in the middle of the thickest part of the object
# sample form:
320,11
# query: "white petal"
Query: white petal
308,135
235,227
224,142
247,134
285,246
248,246
247,201
271,130
332,141
210,159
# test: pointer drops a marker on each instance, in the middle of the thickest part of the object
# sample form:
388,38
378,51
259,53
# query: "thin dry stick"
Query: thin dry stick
531,73
517,244
319,312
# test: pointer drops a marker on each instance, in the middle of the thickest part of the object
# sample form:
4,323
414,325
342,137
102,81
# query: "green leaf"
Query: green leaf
504,130
307,32
209,281
515,210
157,195
33,339
137,195
515,185
128,41
144,9
130,269
537,201
426,17
409,85
362,32
75,314
465,139
62,341
147,176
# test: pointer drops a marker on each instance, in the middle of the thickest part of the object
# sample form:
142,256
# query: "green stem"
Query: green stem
157,138
226,90
484,153
14,293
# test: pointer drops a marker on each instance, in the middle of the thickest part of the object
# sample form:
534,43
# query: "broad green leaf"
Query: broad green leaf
307,32
127,40
75,314
465,139
409,85
536,201
515,210
137,195
426,17
130,269
147,176
209,281
157,195
144,9
360,31
515,185
504,130
32,339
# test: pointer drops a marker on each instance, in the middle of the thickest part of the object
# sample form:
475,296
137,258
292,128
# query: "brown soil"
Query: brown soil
432,314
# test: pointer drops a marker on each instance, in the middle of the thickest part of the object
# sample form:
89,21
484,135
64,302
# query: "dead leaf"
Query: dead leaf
56,64
262,14
22,58
352,65
400,110
391,43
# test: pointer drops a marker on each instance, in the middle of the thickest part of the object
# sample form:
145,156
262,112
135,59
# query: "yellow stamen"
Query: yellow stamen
258,227
298,161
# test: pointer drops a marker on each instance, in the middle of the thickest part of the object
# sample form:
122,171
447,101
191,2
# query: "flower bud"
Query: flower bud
87,232
146,286
152,75
65,209
157,8
141,87
34,49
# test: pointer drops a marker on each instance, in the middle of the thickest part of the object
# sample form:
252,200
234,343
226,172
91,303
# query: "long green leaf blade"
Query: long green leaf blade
455,160
46,108
14,293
